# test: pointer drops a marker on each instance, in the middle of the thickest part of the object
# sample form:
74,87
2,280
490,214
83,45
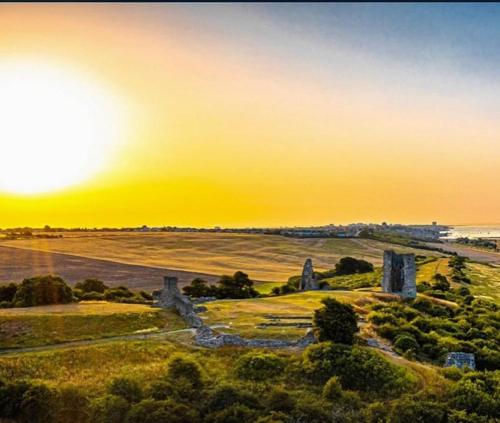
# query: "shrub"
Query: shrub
126,388
405,342
411,410
183,367
198,288
109,409
161,390
357,368
376,412
335,322
37,405
117,293
350,266
91,285
259,366
274,417
236,413
72,406
333,389
473,397
280,400
151,411
11,397
42,290
8,292
224,396
311,411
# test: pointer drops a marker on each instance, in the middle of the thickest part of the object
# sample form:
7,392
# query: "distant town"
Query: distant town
431,232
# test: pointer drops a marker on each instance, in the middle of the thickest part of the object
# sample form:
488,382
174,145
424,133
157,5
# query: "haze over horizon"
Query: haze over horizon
239,115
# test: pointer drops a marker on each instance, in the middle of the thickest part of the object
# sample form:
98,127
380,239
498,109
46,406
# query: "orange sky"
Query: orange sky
259,124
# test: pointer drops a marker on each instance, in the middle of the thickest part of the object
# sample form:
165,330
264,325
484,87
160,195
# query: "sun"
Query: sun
57,127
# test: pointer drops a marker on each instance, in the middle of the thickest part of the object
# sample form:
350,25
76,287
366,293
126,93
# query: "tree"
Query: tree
43,290
91,285
151,411
350,266
237,286
198,288
335,322
8,292
183,367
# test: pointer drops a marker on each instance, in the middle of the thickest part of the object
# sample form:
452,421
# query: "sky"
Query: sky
259,114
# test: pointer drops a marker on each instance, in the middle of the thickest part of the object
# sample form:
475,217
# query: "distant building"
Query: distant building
399,274
460,360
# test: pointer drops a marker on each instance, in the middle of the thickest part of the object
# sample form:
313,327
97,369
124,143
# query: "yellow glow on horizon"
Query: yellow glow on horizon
57,129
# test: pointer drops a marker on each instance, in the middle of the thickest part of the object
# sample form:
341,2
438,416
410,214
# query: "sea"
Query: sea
473,231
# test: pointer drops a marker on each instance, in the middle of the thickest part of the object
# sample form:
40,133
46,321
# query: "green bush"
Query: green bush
37,405
405,342
109,409
72,406
183,367
280,400
407,410
151,411
351,266
91,285
224,396
42,290
259,366
126,388
236,413
8,292
335,321
333,389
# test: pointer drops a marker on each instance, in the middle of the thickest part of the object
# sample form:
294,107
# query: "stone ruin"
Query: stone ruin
399,274
308,281
170,297
460,360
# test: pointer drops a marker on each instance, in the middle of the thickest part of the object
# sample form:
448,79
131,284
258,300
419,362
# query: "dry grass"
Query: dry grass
37,326
263,257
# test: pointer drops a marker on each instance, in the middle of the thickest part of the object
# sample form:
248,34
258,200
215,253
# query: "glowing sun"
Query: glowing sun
56,127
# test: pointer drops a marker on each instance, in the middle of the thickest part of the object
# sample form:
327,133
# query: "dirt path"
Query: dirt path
472,253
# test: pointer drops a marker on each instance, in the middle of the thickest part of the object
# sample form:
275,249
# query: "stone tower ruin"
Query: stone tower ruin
399,274
308,280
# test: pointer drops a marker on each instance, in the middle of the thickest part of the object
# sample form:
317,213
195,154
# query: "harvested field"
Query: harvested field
17,264
263,257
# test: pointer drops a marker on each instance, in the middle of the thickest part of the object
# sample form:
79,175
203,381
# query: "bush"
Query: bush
120,292
407,410
72,406
335,322
236,413
151,411
91,285
126,388
11,397
198,288
376,412
357,368
405,342
8,292
311,411
161,390
473,396
280,400
237,286
333,389
42,290
224,396
109,409
259,366
350,266
37,405
183,367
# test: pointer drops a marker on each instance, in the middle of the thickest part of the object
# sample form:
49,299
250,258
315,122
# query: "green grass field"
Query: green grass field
485,280
35,326
263,257
245,316
429,268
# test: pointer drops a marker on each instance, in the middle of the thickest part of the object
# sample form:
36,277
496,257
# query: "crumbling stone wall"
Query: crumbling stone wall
207,337
399,274
308,280
171,298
